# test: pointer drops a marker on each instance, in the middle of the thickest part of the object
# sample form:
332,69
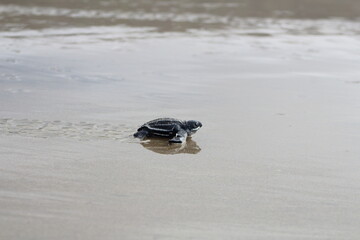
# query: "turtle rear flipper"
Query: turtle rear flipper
141,134
180,137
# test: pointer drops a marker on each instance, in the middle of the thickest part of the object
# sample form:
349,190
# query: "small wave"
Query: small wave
185,20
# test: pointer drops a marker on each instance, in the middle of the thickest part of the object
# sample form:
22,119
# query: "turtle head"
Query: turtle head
193,126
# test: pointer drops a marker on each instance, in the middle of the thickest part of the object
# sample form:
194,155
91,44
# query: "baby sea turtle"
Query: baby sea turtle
176,130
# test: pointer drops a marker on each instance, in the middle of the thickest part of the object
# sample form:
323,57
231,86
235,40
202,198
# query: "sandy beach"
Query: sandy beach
275,85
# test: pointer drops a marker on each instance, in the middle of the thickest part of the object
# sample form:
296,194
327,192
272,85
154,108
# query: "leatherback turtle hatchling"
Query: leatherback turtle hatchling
176,130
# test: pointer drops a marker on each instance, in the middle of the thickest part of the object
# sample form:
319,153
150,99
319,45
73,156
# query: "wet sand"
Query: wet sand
276,88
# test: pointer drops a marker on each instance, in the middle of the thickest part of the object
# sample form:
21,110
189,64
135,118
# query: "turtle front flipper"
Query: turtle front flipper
141,133
180,137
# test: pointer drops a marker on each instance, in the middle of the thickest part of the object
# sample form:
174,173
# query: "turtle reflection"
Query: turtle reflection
162,146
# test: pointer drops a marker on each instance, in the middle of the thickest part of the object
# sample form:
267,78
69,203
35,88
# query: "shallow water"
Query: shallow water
275,84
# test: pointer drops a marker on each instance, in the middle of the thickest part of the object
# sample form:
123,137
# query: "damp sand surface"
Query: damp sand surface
276,87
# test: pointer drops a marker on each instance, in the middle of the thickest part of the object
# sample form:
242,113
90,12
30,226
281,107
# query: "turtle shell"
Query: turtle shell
164,127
